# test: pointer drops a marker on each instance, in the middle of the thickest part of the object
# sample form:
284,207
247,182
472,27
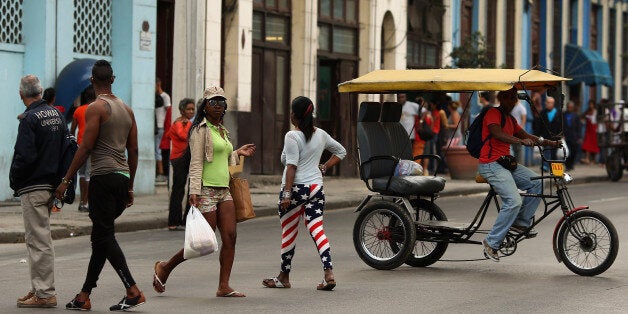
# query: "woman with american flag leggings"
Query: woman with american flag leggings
302,191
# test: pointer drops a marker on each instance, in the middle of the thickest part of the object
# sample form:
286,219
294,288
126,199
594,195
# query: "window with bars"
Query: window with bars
425,33
11,21
271,23
338,26
92,27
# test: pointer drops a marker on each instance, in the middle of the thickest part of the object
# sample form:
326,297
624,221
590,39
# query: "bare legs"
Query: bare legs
224,219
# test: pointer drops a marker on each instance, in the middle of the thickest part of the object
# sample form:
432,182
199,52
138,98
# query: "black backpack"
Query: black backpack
423,130
474,133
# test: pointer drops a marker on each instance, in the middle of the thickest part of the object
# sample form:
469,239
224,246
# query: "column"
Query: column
135,78
304,45
238,54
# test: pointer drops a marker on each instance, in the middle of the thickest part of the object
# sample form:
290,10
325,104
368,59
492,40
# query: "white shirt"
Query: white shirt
518,111
409,111
307,155
160,113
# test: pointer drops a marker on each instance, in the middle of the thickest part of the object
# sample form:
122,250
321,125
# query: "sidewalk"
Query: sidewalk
151,211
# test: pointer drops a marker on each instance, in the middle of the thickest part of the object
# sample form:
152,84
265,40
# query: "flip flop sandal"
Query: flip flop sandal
158,285
326,285
276,283
232,294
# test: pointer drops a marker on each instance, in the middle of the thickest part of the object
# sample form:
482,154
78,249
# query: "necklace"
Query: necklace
112,95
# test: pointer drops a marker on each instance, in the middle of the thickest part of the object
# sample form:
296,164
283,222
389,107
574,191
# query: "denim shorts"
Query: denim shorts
212,196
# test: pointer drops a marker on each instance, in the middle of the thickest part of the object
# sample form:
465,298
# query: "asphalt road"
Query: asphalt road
529,281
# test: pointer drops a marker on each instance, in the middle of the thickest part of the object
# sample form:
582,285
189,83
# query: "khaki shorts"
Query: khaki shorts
212,196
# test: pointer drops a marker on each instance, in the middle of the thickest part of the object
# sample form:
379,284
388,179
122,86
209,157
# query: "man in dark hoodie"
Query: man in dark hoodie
33,176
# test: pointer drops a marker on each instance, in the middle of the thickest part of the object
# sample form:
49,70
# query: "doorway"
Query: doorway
268,120
337,113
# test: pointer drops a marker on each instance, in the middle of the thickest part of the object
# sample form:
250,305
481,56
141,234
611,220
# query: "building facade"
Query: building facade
44,37
266,52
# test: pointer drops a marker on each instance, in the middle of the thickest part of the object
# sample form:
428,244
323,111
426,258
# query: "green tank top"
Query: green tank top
216,173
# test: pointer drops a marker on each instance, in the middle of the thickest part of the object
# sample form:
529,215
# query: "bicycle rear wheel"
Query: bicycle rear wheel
426,253
384,235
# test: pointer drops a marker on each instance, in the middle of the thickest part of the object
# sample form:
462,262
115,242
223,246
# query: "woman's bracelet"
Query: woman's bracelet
287,195
66,181
322,168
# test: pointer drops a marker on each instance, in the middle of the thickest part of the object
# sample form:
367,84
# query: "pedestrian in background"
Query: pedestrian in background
160,117
409,113
180,160
211,154
33,176
302,191
519,112
50,96
573,130
78,121
452,124
439,125
164,144
589,143
548,125
110,139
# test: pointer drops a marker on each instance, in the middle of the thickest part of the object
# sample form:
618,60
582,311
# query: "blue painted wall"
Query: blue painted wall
48,46
11,64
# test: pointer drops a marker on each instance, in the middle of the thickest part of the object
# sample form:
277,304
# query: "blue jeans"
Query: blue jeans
513,209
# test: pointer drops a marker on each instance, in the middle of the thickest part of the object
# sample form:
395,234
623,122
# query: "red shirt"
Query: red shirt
79,116
165,140
178,134
494,148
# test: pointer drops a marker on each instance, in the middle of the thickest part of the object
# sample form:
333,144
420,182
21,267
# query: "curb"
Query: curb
59,232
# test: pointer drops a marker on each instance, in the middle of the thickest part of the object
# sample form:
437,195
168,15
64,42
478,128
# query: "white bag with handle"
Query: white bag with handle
200,238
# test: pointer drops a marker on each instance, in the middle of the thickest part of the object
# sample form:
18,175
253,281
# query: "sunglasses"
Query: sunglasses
218,103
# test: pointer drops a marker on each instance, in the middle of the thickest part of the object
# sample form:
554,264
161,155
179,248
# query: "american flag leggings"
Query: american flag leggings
307,201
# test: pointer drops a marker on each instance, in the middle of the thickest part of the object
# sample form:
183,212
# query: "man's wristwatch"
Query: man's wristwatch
540,141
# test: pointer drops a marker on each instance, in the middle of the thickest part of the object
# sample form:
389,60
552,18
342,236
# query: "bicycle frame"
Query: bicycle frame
558,197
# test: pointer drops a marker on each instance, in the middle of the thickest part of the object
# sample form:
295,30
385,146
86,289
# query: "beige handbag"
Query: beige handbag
241,195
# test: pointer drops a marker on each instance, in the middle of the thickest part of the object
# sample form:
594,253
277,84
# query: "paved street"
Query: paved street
529,281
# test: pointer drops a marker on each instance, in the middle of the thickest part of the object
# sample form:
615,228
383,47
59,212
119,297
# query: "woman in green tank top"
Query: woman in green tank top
211,153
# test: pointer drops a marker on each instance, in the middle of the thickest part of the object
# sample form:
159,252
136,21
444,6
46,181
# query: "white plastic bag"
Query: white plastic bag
200,238
408,168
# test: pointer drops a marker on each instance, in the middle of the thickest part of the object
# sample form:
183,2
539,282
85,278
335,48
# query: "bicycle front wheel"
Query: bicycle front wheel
587,243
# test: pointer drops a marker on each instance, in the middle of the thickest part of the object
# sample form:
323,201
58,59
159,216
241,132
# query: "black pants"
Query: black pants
108,195
573,151
180,169
165,157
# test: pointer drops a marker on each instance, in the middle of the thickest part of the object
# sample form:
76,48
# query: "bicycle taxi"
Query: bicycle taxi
614,116
401,222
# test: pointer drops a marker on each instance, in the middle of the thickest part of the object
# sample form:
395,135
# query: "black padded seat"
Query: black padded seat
400,144
410,185
381,144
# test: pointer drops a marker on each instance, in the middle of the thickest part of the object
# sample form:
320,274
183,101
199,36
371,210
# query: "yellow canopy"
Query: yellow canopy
449,80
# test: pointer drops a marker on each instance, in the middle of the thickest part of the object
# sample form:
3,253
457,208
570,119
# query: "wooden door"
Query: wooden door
337,113
267,122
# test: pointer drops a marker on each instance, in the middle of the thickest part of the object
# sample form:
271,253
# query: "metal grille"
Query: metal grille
92,27
11,21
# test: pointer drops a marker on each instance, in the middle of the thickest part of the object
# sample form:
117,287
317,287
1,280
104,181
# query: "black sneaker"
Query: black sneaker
83,209
78,305
489,252
128,303
521,229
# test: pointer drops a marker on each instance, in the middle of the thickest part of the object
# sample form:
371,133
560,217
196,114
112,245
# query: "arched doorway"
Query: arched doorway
388,42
